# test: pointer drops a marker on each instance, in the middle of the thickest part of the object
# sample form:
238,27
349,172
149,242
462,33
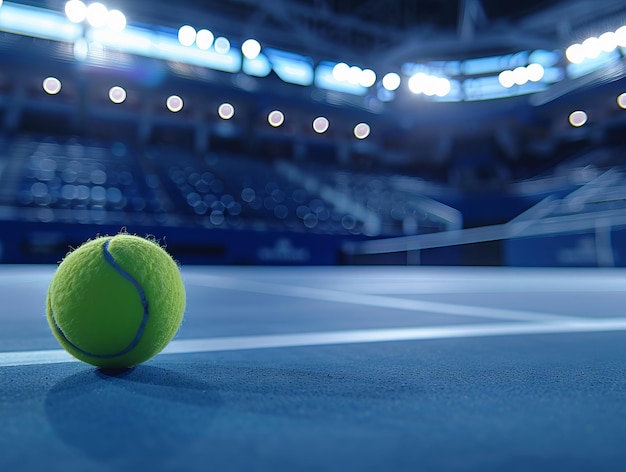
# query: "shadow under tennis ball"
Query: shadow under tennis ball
131,415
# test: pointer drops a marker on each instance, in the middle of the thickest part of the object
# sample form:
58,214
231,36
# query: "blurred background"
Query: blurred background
435,132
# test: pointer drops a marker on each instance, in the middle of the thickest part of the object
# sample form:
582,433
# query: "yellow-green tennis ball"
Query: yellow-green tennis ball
116,301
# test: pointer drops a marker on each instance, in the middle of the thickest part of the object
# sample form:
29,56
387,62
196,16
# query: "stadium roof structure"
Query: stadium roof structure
390,32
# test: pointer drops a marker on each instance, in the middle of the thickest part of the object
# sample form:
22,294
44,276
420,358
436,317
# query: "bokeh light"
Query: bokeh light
621,101
592,47
251,48
362,131
75,10
116,21
391,81
117,94
578,118
575,53
186,35
52,85
535,72
226,111
341,71
320,124
204,39
608,41
97,15
276,118
221,45
354,75
368,78
174,103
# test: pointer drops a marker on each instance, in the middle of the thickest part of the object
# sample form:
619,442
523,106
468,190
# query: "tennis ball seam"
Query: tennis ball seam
144,303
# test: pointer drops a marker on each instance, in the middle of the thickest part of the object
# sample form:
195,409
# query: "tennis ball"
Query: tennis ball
116,301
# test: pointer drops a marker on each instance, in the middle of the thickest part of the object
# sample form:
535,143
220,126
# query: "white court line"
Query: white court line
369,300
238,343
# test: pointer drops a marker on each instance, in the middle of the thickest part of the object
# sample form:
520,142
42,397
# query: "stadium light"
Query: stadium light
592,47
520,75
368,78
506,78
204,39
97,15
251,48
354,75
575,53
341,72
620,36
186,35
416,83
116,21
221,45
391,81
608,41
76,11
442,87
429,85
535,72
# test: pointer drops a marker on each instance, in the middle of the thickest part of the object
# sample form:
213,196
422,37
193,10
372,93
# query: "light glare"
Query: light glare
621,101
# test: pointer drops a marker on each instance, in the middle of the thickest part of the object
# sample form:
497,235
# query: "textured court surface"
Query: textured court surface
283,369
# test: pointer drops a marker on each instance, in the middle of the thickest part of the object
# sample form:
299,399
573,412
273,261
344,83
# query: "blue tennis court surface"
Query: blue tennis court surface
339,368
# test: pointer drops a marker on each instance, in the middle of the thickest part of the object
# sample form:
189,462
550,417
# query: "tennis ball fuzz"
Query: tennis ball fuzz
116,301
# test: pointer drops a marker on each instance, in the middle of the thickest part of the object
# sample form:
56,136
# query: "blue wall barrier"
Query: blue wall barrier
566,250
37,243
